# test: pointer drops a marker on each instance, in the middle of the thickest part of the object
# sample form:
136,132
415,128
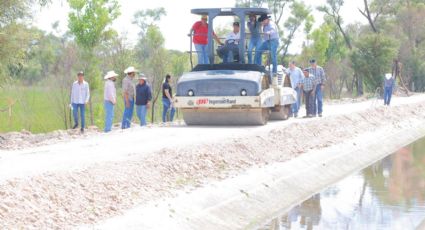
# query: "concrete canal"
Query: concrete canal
389,194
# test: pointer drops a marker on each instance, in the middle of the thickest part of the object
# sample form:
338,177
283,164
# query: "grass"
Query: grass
38,109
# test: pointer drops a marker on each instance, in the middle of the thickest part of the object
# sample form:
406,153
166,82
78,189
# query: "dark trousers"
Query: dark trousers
309,102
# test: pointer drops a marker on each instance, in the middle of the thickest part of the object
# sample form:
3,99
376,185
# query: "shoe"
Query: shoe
310,116
75,126
82,130
320,115
295,115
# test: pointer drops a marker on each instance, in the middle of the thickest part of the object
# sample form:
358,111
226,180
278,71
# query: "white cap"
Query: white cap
110,74
130,69
388,76
281,69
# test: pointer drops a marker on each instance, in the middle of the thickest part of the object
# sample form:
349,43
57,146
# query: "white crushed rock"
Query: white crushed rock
70,198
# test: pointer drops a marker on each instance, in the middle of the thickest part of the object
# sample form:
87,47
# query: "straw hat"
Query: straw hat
110,74
130,69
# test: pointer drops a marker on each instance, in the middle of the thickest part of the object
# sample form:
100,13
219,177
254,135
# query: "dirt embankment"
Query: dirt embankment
74,197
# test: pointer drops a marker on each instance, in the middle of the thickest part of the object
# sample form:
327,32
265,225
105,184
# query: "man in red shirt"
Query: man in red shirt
200,39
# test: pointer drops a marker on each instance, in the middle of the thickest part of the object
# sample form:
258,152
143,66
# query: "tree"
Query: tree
89,22
332,9
145,18
14,35
373,57
300,14
156,64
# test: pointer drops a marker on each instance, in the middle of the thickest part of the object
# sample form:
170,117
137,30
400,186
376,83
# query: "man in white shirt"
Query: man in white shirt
110,99
80,95
230,50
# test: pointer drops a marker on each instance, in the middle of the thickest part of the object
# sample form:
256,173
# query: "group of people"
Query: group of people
309,82
136,97
264,37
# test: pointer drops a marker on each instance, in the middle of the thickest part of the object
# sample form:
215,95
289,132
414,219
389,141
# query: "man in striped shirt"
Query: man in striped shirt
110,99
308,84
318,72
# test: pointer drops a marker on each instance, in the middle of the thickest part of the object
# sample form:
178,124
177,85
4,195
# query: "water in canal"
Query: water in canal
389,194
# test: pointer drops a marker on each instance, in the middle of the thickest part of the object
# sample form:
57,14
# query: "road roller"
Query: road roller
232,93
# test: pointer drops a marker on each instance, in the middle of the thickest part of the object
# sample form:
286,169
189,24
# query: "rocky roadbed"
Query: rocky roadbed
25,139
71,198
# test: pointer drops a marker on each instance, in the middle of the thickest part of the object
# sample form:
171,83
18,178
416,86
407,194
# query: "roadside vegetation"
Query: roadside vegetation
37,68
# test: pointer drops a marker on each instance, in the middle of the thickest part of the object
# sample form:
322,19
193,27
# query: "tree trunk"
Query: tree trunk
91,112
359,85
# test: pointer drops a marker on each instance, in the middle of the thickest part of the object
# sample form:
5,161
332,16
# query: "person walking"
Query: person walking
128,88
271,41
110,99
319,73
296,75
143,98
255,41
308,85
388,88
200,39
167,99
80,95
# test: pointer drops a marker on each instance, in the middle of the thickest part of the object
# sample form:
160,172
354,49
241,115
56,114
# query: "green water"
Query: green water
389,194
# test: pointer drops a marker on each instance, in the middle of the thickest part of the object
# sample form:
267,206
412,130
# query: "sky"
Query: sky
176,24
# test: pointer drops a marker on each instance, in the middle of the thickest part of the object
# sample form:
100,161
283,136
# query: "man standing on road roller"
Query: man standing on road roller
200,39
167,99
319,73
128,88
80,95
255,41
270,41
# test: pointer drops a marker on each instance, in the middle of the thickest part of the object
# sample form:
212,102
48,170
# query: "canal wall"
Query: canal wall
248,200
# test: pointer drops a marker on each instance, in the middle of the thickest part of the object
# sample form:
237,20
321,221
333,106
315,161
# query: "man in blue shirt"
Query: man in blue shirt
255,41
271,41
296,75
388,88
143,98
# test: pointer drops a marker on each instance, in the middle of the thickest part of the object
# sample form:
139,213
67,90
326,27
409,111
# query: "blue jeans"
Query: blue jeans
166,106
82,109
296,106
318,100
272,46
202,52
141,111
253,43
127,115
388,91
109,115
